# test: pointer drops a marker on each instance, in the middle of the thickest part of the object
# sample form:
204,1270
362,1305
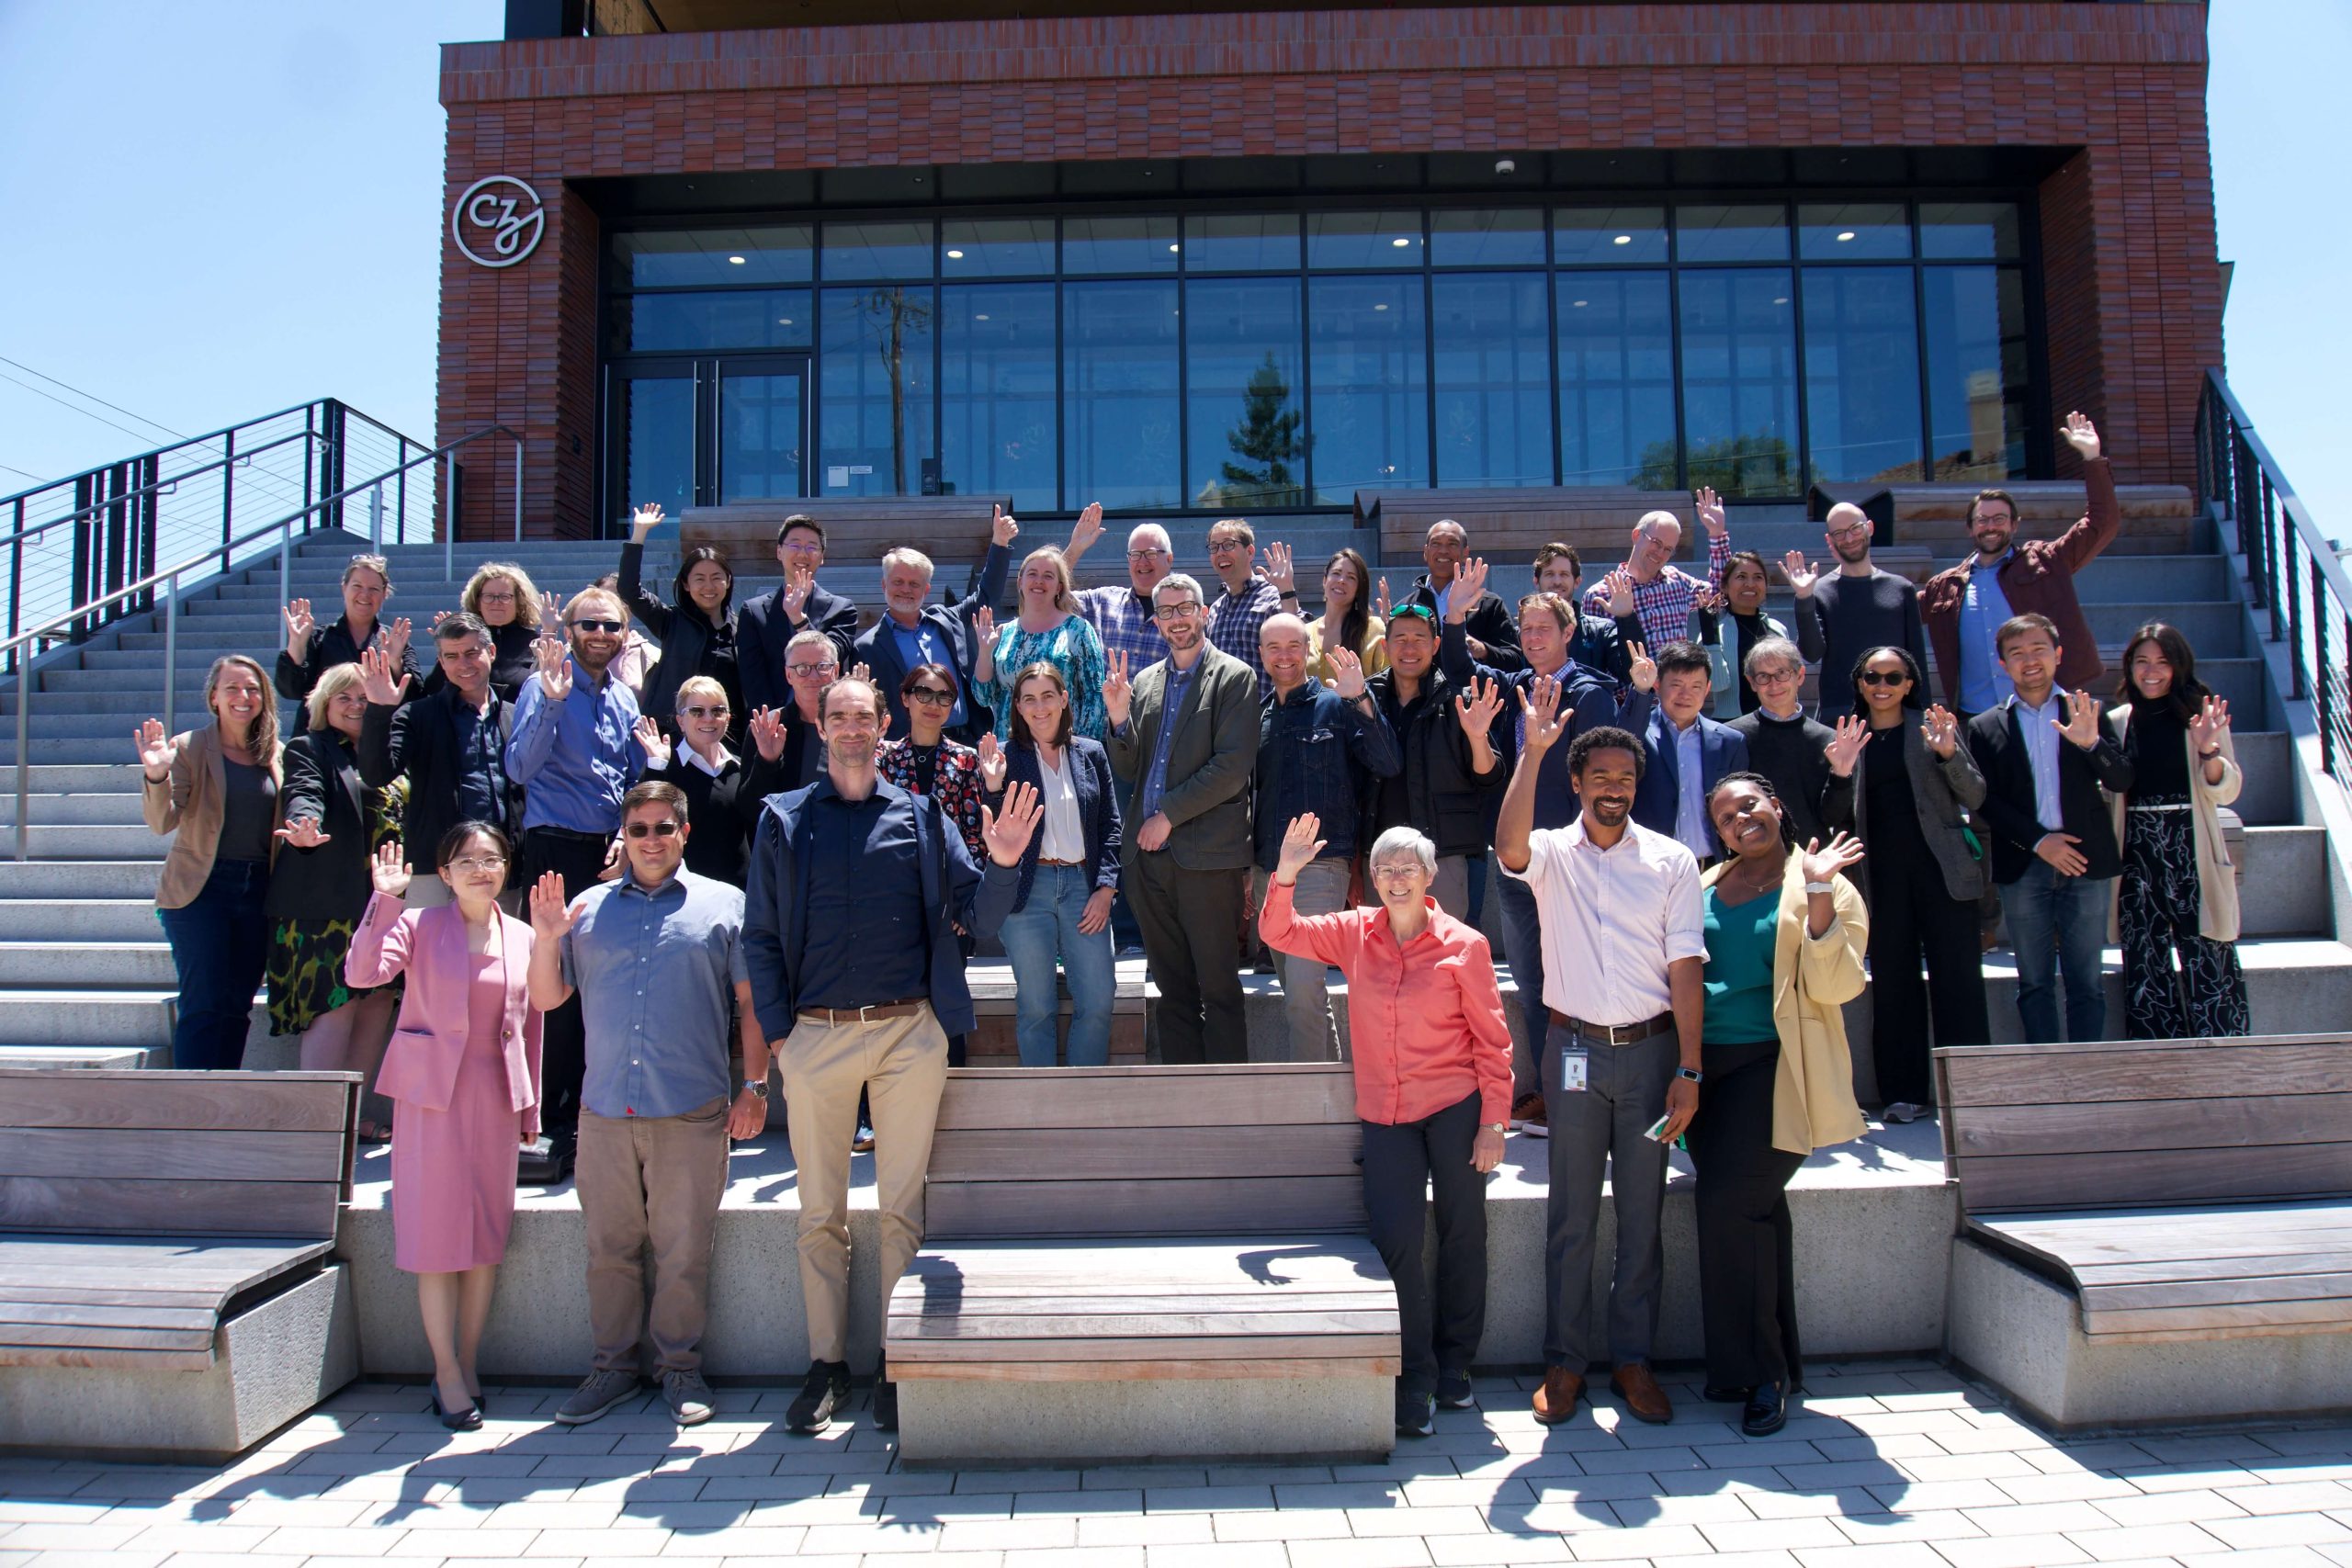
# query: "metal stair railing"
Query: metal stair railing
138,596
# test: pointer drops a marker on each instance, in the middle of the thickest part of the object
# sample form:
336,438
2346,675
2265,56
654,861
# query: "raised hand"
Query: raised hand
555,667
1644,673
1302,841
298,628
2082,720
1539,706
615,861
994,763
156,751
550,614
1346,673
1007,833
1845,747
643,521
1940,729
984,628
658,750
378,667
438,616
395,639
1706,598
767,733
1823,861
1117,692
1085,532
1004,527
1620,584
1279,567
1800,573
1477,707
1381,603
2212,722
861,671
1469,583
303,833
800,581
1711,514
388,871
551,916
2081,434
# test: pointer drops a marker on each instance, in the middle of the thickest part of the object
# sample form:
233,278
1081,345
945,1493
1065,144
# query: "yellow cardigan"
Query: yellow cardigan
1812,978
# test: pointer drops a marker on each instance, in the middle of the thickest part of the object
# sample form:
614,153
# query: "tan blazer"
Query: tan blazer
2217,874
1813,979
188,802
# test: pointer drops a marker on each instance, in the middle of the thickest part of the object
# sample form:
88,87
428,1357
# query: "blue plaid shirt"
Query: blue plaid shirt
1122,619
1234,622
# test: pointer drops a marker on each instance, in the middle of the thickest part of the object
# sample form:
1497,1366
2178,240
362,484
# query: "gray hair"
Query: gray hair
1153,532
1190,585
1403,841
812,639
1769,649
904,556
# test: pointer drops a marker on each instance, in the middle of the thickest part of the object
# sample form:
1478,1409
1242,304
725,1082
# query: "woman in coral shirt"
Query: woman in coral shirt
1432,1070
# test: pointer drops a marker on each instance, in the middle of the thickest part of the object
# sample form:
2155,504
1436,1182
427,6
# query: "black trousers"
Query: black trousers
1192,939
1915,921
1401,1163
1747,1299
576,858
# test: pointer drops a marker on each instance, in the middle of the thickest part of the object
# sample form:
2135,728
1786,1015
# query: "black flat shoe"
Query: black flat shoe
466,1420
1766,1411
1718,1393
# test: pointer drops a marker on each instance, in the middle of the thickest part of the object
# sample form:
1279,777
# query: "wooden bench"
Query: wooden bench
2154,1231
1140,1263
168,1286
1512,523
950,529
2157,519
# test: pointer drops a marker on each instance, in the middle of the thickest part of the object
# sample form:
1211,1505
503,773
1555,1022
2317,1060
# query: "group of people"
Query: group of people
782,837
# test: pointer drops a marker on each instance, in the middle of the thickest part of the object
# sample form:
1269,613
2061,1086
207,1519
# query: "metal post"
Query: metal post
519,489
401,501
228,498
170,651
450,517
376,519
286,561
24,751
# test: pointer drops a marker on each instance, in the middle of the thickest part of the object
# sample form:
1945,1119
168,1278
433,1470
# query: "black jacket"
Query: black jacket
1444,796
512,661
321,780
763,631
1488,620
876,648
722,811
421,739
1997,741
685,634
330,645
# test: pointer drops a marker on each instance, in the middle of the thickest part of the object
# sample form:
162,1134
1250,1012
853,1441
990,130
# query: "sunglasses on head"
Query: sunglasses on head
1421,611
596,625
1883,678
656,830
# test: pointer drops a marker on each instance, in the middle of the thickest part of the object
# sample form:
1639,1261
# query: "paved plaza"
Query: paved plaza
1885,1465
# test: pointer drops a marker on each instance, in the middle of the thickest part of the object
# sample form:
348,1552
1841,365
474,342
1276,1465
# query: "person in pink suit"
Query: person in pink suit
463,1068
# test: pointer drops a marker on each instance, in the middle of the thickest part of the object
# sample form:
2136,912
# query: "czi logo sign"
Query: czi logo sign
502,216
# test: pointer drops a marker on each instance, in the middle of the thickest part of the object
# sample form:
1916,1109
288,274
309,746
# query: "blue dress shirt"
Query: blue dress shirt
2041,726
656,970
1171,702
1984,684
576,759
1690,781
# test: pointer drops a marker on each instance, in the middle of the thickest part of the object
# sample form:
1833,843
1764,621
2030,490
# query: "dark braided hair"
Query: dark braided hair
1788,831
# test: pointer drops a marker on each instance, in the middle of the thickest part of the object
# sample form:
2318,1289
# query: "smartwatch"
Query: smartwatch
1693,1073
757,1086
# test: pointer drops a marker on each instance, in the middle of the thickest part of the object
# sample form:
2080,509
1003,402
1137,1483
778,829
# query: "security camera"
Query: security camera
1505,166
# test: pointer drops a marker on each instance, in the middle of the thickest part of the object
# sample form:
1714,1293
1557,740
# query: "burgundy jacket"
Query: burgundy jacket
2037,578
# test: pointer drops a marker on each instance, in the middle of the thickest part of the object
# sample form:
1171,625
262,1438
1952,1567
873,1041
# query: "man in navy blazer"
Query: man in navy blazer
766,622
1668,711
910,631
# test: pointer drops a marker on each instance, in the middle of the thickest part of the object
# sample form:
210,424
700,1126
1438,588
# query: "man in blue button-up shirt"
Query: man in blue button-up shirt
574,751
656,960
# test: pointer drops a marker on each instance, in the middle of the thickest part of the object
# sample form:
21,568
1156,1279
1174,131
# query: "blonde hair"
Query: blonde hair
694,686
261,739
906,556
620,611
376,564
1062,598
526,593
337,680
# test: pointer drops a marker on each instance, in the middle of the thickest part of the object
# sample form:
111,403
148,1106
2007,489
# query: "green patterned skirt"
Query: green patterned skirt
305,975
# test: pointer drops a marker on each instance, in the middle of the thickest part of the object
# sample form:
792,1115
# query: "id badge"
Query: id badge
1575,1069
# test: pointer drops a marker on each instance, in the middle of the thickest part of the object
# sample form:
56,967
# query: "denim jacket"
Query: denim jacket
1316,751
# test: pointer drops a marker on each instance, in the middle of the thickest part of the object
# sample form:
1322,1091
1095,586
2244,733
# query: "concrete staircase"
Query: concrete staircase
82,962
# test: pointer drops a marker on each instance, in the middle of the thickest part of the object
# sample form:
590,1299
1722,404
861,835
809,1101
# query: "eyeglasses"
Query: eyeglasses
1185,611
1397,871
931,697
487,597
656,830
1772,676
472,863
1882,678
1144,555
805,670
596,626
1219,546
721,711
1850,529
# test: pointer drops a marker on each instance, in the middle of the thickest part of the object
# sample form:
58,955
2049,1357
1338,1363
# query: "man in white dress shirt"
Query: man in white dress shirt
1619,908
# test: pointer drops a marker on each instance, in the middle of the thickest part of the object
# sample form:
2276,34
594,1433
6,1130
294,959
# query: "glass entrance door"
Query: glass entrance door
762,431
703,432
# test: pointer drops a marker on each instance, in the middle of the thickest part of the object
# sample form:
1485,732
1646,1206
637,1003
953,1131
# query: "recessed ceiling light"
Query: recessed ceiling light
980,317
736,260
954,255
1175,247
1400,243
1580,304
783,321
1781,300
1846,236
1622,240
1380,307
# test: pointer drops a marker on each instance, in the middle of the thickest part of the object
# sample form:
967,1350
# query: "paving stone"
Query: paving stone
2144,1540
872,1538
1038,1504
741,1540
1380,1522
1405,1553
1283,1524
463,1543
1145,1529
1870,1530
599,1543
1771,1535
2168,1507
2278,1529
1657,1542
1023,1535
1181,1554
1473,1550
1207,1499
1713,1507
1341,1494
2012,1551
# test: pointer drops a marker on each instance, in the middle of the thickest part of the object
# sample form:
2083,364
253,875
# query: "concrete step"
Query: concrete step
83,743
60,778
2155,578
115,1057
81,842
91,963
65,920
2283,885
114,810
2215,628
2266,757
86,1016
30,881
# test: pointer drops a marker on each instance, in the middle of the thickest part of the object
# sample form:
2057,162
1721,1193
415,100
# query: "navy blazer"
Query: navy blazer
763,631
1586,697
1722,749
775,904
1996,740
1098,806
876,648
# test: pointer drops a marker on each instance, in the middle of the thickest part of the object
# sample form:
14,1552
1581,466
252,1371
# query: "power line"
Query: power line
14,469
85,414
92,397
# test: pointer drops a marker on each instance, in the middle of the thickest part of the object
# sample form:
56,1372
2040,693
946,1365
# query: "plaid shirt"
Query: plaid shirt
1663,604
1233,621
1123,620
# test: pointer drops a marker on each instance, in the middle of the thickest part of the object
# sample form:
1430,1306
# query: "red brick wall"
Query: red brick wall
2133,295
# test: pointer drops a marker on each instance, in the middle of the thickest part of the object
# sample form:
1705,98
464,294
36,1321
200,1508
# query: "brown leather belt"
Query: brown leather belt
1614,1034
833,1017
1043,860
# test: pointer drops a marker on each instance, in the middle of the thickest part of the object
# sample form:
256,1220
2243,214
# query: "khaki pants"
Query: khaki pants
1322,889
650,1181
902,1065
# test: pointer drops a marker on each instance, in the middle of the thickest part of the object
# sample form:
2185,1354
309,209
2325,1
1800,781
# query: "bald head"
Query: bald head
1284,647
1657,537
1848,534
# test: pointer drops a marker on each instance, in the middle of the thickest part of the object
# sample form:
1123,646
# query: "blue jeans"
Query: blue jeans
220,945
2057,925
1034,936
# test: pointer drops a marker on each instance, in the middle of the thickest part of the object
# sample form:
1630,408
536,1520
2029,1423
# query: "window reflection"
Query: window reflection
996,378
997,247
1739,383
1513,237
1976,372
778,317
1120,244
1969,230
1120,402
877,250
1861,374
1731,233
1493,379
1853,231
685,258
1244,406
1616,379
1367,363
1601,236
1364,238
875,380
1244,241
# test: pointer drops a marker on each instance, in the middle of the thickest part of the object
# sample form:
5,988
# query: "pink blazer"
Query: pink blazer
421,1064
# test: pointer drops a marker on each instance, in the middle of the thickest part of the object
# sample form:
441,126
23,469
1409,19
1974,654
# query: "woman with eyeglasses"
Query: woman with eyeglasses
1049,630
1912,781
502,595
463,1072
312,650
697,627
1347,620
725,794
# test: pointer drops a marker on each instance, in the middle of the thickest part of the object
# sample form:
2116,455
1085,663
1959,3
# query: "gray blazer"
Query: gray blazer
1212,758
1941,789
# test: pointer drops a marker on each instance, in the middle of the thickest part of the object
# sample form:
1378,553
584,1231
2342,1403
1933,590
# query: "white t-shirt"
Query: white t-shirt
1062,835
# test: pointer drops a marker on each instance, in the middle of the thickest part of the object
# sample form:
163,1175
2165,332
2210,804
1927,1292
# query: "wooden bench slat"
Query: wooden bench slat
1142,1096
81,1204
171,1155
2292,1286
2234,1318
1140,1329
163,1098
957,1209
2025,1181
1141,1153
1205,1348
2188,1069
2252,1266
15,1314
1158,1368
118,1295
1008,1303
106,1338
2107,1127
136,1358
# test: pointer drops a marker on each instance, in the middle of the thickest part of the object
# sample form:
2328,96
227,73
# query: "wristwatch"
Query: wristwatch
757,1086
1693,1073
1495,1127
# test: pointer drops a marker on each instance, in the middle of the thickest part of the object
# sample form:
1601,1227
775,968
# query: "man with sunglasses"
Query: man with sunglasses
1843,615
575,751
910,631
654,963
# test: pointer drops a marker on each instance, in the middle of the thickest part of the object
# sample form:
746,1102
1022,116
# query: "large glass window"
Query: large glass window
1364,238
997,247
660,323
1493,378
1121,407
1241,241
1368,407
1616,379
1976,372
1120,244
693,259
1853,231
875,390
1245,409
1731,233
877,250
1513,237
997,429
1969,230
1605,236
1861,374
1739,382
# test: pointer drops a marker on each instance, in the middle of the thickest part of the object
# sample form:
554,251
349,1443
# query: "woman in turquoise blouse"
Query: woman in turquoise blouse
1049,630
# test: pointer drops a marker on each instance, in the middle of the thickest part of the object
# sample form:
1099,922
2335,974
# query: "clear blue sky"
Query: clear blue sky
218,210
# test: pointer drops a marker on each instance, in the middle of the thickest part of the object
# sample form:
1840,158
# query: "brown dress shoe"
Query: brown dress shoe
1556,1400
1639,1390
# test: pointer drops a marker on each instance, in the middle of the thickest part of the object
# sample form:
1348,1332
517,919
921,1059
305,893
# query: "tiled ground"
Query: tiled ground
1884,1467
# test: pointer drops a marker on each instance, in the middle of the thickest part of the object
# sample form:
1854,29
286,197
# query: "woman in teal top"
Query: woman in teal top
1049,630
1784,947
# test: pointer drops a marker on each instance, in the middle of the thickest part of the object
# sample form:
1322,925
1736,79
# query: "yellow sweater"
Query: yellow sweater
1812,978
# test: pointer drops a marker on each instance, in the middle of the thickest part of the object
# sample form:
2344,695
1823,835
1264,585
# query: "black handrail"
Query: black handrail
2292,572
